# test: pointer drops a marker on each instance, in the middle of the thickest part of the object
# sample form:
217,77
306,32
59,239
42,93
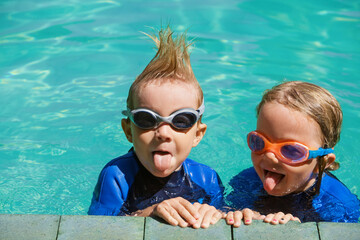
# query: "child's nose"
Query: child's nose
271,156
164,132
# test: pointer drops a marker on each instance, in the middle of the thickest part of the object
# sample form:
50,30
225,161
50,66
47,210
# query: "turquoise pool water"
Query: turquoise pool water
66,66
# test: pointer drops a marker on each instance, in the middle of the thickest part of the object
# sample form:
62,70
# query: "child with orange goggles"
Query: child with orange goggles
292,153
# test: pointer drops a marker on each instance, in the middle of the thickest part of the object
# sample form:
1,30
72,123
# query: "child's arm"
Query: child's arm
108,193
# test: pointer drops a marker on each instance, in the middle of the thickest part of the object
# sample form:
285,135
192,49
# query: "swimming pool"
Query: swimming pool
66,66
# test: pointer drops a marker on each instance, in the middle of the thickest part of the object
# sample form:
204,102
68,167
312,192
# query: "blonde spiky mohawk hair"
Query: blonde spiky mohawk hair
171,63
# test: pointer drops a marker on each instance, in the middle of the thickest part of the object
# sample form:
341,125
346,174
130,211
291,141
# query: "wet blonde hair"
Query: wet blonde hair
317,103
170,64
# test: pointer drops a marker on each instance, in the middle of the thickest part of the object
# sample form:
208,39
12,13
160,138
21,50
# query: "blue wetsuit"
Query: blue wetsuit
125,186
334,203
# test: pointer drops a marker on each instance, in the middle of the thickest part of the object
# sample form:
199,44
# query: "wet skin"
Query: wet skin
279,123
162,150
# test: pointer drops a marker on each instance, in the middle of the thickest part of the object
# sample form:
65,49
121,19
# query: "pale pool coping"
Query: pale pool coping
59,227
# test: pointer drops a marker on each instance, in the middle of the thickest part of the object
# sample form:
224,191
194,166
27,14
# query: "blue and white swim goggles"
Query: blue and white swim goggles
183,118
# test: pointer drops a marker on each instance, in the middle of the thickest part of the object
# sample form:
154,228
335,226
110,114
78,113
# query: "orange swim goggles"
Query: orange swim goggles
288,152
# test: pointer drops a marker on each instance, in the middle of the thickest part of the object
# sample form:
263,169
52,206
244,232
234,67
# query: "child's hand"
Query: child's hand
280,217
177,212
207,215
234,218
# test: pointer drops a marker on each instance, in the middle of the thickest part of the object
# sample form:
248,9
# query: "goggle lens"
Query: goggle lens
293,152
144,120
256,143
184,120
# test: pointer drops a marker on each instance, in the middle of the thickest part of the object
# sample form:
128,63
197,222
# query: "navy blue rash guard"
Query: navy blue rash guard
125,186
334,203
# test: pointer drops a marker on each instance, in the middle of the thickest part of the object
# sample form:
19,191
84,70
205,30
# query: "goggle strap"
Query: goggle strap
320,152
201,109
125,112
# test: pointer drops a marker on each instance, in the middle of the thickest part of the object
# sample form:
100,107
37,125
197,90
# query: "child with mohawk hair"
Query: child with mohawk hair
155,178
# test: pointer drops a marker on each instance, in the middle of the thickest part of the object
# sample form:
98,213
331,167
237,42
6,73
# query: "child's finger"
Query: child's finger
200,209
258,216
295,219
216,217
205,212
191,209
247,215
277,218
180,209
238,215
230,218
268,218
208,215
286,218
165,214
178,218
197,206
170,215
185,214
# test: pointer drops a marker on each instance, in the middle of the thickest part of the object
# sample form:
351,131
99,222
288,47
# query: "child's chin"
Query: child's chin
161,174
276,192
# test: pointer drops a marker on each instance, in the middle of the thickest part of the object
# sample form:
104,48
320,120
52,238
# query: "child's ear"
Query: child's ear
330,159
200,132
126,126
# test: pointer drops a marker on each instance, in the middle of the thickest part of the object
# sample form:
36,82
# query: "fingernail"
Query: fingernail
204,225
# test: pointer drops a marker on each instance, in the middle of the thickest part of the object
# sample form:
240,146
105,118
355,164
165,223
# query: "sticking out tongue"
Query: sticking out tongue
162,160
271,179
